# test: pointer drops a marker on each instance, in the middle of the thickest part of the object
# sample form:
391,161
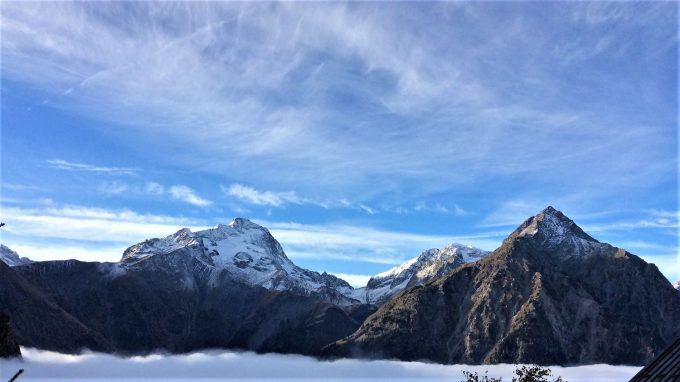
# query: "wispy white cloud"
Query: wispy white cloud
367,209
511,213
113,188
254,196
10,200
188,195
632,225
651,219
154,188
460,211
20,187
90,224
440,208
249,88
675,215
264,198
73,166
646,245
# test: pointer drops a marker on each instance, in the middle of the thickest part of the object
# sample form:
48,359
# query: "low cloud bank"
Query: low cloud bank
207,365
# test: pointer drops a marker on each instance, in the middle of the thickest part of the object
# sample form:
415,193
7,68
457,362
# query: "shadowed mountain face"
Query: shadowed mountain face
173,303
550,294
39,321
8,345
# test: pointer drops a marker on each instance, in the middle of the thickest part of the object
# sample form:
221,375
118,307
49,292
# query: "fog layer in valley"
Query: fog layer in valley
43,365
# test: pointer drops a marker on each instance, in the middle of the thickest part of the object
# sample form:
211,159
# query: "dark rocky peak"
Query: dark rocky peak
551,230
328,279
551,223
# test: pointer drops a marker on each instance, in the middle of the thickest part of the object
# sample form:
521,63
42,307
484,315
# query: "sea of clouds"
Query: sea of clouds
234,366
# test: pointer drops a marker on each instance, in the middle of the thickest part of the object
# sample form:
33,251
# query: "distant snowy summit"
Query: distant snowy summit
676,285
11,258
431,264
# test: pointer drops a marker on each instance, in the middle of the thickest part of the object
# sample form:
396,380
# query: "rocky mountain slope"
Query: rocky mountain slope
11,258
430,265
551,294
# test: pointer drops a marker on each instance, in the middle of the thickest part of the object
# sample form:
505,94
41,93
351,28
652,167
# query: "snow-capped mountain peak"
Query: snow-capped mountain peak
555,232
249,253
676,285
11,258
468,252
429,265
552,224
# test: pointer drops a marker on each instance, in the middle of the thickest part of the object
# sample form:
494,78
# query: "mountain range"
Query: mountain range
164,293
550,294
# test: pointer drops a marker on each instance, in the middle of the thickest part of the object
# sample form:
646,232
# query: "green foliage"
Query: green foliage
522,374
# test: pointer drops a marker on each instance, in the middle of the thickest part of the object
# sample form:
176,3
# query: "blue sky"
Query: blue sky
360,134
